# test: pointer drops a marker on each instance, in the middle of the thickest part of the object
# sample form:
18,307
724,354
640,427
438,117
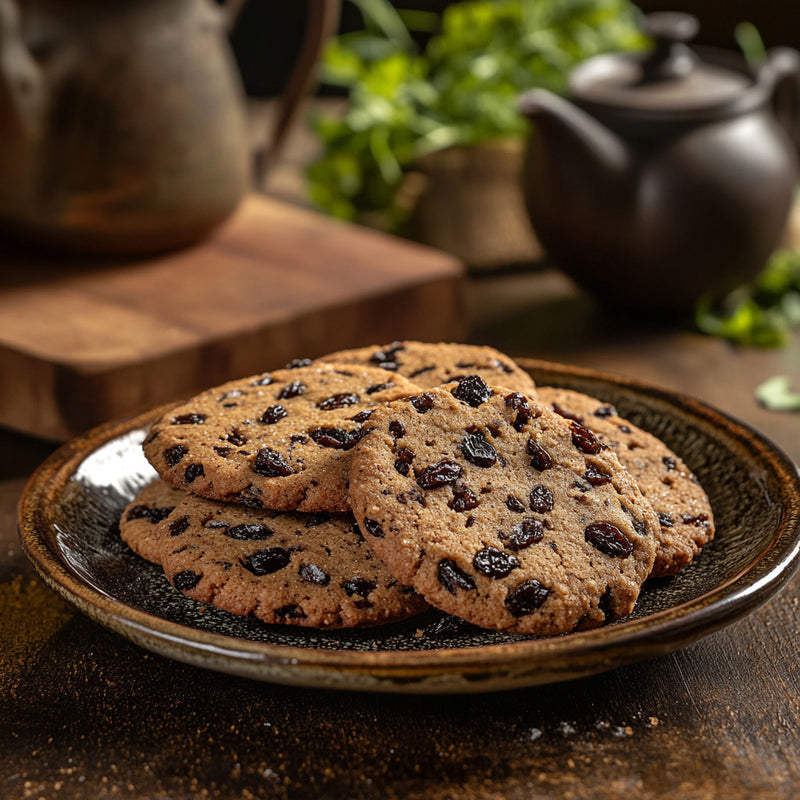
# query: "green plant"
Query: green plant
762,313
460,89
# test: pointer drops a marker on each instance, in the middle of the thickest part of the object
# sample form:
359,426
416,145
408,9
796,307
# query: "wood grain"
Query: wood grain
88,714
83,343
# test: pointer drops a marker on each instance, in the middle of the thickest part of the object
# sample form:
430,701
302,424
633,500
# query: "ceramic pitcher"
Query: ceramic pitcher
122,125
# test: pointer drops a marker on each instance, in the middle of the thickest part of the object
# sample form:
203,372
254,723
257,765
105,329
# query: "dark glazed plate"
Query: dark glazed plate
68,526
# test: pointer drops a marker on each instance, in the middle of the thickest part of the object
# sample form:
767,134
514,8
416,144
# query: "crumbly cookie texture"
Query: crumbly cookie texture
432,364
280,440
683,508
311,570
500,511
141,517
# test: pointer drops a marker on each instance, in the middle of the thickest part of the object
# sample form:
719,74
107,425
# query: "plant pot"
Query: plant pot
468,201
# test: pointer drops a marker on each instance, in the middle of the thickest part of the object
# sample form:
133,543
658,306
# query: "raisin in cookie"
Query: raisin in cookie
683,508
500,511
284,567
279,440
429,364
137,526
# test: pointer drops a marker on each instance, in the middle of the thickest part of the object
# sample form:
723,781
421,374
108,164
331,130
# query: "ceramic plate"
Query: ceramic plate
71,506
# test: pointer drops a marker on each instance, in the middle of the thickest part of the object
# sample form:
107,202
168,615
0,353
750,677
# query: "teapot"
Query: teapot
665,176
122,125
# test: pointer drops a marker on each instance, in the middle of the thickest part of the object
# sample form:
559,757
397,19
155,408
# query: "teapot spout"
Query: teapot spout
562,131
578,179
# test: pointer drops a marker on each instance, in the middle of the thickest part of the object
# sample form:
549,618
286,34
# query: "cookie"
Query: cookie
138,523
282,567
683,508
499,511
429,364
279,440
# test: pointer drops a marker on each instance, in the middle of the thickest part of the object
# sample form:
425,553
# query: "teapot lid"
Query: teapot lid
672,78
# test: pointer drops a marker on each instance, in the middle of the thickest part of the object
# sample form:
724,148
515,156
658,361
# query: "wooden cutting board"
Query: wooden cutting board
82,343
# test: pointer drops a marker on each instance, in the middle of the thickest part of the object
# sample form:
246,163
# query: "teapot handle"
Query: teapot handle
781,68
322,18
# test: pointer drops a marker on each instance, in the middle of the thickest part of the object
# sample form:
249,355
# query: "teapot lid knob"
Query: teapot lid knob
671,26
670,57
670,81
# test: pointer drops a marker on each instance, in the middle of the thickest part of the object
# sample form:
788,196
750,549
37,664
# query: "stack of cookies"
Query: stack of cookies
363,487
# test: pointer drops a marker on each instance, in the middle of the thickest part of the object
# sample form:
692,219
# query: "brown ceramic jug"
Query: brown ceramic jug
122,125
667,176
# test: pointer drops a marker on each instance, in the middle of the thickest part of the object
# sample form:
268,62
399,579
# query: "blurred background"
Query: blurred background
142,195
265,63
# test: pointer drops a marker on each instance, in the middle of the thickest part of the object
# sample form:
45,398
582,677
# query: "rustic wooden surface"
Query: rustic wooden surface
83,713
84,343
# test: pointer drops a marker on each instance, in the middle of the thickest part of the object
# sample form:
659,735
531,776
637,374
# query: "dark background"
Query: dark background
267,36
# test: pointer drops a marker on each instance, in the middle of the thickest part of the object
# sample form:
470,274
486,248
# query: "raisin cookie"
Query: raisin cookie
683,508
429,364
499,511
279,440
282,567
137,526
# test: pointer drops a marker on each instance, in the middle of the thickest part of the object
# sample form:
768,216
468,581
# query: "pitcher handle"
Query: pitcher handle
322,19
21,79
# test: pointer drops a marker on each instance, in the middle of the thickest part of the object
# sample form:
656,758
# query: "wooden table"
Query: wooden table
83,341
85,714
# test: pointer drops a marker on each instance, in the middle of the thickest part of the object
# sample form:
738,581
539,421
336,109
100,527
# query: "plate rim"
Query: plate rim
409,670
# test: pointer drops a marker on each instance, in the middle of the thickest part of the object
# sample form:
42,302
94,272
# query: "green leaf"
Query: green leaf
383,15
780,276
761,314
776,394
419,20
790,308
341,66
750,42
744,323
